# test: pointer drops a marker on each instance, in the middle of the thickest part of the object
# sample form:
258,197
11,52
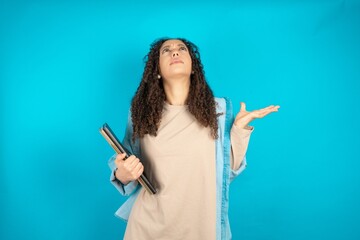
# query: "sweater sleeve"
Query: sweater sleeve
239,143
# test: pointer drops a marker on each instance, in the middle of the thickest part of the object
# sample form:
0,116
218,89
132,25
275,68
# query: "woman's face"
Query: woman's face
174,60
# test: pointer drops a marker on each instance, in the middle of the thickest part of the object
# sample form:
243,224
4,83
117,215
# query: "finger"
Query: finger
130,159
120,156
138,169
273,107
260,113
257,112
141,170
242,106
265,113
136,172
129,162
119,159
134,162
270,108
265,108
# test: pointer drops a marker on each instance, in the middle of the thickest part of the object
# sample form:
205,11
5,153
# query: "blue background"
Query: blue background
66,67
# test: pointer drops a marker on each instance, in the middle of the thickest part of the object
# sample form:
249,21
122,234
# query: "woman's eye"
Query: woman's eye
183,48
165,50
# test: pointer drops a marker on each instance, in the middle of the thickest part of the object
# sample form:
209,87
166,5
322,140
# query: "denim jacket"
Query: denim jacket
224,173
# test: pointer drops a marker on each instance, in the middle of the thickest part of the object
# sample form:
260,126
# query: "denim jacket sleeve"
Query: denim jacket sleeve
229,120
133,148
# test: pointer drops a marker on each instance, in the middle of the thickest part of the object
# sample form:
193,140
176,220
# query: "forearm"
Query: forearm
239,143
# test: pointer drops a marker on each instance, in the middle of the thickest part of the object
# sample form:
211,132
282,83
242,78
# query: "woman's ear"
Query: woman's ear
158,69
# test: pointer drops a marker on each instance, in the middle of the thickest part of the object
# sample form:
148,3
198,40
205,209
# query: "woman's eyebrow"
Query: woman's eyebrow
164,47
182,45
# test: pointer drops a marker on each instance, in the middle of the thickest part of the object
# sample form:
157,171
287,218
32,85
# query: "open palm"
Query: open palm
243,118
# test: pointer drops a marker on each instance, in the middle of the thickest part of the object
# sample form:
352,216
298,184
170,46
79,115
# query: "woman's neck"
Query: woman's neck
177,91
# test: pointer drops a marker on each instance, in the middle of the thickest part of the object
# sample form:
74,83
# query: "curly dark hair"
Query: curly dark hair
148,102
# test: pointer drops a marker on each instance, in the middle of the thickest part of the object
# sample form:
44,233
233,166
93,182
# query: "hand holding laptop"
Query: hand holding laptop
110,137
128,169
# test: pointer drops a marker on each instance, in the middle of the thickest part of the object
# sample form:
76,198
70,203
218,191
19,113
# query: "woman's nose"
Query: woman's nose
175,53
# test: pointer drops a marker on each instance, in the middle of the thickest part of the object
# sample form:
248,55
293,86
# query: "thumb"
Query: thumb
242,106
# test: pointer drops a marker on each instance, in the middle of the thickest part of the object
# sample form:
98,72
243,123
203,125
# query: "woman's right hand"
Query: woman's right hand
128,170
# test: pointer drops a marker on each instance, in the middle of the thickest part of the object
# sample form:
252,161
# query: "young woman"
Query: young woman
189,145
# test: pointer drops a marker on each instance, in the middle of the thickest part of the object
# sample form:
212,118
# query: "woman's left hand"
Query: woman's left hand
243,118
